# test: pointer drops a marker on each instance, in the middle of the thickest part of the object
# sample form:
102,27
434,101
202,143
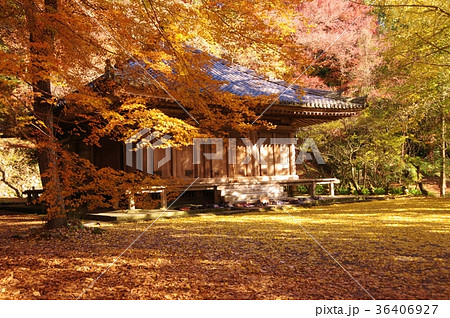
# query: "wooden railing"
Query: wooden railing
312,183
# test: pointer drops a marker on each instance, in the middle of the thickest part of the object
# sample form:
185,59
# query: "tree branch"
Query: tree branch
428,6
9,184
439,49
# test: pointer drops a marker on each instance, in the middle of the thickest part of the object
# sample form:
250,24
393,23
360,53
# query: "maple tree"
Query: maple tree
51,49
341,42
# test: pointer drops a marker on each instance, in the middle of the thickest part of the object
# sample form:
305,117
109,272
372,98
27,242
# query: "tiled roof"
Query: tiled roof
245,82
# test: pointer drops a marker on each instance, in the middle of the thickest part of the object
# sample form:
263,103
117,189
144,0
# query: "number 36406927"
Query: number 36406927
404,309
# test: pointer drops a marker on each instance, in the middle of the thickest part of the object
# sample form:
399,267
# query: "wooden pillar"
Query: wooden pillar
256,168
163,199
174,162
131,202
292,167
216,196
291,190
274,156
332,189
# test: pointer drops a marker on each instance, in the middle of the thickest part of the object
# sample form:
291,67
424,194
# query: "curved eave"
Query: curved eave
327,104
336,109
307,114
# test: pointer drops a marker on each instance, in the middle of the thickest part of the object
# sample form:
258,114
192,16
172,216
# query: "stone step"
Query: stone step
251,192
252,187
249,186
253,197
262,190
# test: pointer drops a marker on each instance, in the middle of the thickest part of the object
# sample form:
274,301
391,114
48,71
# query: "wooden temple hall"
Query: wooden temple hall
242,172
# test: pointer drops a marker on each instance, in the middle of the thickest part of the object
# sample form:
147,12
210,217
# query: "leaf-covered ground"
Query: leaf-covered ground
396,249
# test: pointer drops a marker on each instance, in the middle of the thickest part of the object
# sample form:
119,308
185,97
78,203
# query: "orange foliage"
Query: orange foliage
51,49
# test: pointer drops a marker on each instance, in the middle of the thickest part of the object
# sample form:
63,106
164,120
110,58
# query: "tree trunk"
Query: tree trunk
354,181
371,189
422,188
356,186
386,188
419,181
443,180
364,176
41,48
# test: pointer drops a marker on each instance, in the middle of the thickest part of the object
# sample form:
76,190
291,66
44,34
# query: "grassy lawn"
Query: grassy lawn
396,249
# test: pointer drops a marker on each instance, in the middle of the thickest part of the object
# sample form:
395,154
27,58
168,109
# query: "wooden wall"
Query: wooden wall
181,165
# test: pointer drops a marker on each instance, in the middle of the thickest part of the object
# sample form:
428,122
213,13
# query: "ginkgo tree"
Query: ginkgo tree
51,49
417,70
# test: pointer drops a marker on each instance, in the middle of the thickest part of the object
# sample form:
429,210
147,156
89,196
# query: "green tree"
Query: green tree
417,73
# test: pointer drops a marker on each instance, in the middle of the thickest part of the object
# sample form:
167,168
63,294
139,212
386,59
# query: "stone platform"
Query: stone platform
147,215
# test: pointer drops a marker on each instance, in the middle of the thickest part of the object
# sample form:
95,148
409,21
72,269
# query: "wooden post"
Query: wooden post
292,167
216,196
131,203
29,197
163,199
332,188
